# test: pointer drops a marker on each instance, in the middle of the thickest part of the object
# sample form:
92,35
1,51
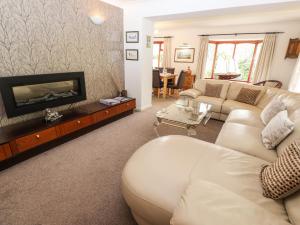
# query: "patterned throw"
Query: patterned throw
282,178
213,90
248,96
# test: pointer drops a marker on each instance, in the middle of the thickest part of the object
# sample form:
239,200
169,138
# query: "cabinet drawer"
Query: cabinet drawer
105,114
36,139
5,152
128,105
75,125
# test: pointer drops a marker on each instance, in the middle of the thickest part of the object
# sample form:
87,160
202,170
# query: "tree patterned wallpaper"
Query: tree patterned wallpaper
50,36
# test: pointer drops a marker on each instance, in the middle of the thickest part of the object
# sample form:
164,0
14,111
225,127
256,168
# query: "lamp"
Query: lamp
96,19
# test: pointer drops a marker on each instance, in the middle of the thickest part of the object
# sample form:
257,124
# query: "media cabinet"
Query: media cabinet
36,133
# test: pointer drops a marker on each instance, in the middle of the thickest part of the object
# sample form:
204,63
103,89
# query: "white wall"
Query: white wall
281,68
138,74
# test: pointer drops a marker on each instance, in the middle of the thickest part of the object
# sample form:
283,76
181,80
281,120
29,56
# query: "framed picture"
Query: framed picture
132,37
293,49
184,55
132,54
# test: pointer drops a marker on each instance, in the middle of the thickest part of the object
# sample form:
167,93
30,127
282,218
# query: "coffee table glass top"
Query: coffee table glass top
190,115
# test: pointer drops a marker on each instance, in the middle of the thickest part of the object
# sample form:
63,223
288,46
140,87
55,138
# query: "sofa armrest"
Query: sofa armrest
193,93
211,204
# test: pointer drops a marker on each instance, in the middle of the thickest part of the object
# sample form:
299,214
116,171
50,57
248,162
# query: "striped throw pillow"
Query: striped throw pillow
248,96
282,178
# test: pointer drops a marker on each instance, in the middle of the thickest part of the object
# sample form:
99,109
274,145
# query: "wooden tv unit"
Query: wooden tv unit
38,135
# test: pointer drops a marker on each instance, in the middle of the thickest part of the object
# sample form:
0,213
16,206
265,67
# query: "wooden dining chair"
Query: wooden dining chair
179,85
171,70
157,84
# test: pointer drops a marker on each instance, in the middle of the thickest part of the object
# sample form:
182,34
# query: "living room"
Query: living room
84,138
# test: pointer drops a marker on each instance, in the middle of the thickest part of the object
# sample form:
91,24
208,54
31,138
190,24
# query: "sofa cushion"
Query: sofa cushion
282,178
200,85
246,139
230,105
291,100
274,107
213,90
215,102
235,88
248,96
246,117
295,117
238,173
277,130
210,204
193,93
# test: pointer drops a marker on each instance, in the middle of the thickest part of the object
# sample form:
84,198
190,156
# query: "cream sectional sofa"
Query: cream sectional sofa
163,173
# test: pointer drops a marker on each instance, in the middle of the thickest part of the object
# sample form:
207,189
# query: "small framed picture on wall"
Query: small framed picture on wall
184,55
132,37
132,54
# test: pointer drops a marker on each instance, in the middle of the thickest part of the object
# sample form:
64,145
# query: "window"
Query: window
158,51
232,56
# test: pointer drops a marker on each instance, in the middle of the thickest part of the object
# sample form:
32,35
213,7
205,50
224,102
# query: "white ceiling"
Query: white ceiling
233,16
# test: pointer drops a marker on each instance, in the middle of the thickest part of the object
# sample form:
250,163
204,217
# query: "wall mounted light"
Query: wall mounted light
96,19
185,45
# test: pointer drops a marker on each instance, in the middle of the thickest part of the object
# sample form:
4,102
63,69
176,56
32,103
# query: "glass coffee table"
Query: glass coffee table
186,116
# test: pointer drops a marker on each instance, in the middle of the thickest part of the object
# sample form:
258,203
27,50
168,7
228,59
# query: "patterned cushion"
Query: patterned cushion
248,96
213,90
282,178
274,107
277,130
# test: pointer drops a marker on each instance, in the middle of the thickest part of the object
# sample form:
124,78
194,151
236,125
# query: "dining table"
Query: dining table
165,77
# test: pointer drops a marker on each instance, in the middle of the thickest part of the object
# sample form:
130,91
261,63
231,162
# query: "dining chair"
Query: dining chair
171,70
157,84
180,83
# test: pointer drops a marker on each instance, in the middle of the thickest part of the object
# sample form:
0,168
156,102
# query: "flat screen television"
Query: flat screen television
27,94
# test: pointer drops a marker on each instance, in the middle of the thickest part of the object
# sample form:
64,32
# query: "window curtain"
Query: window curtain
265,58
295,80
202,57
167,53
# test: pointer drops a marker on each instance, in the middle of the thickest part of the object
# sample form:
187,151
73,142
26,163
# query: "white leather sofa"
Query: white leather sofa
156,178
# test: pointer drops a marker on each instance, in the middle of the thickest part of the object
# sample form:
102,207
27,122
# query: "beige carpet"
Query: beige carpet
78,183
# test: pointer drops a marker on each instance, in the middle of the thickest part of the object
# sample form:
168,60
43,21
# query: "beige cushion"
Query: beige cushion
295,117
277,130
248,96
193,93
215,102
213,90
200,85
274,107
291,100
211,204
238,173
282,178
246,117
235,88
246,139
230,105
